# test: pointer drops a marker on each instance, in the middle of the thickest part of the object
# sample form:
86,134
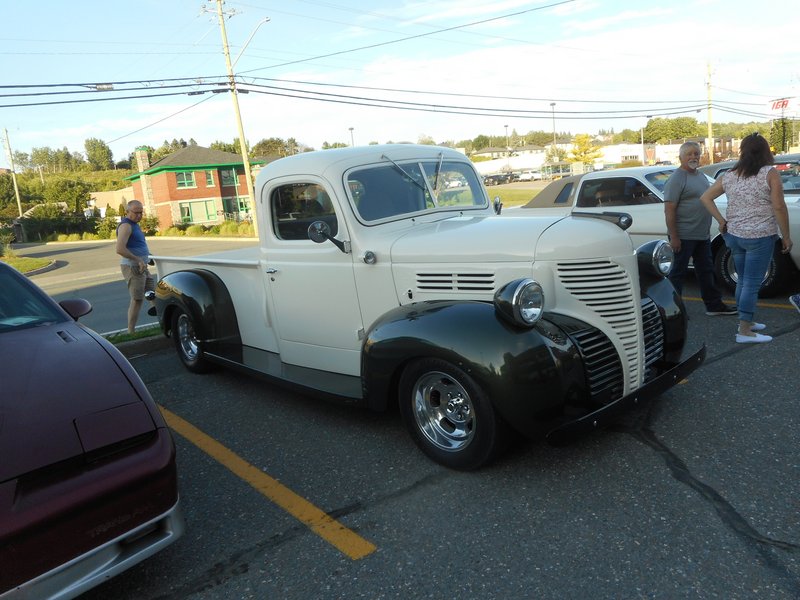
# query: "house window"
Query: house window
185,179
209,179
198,212
228,177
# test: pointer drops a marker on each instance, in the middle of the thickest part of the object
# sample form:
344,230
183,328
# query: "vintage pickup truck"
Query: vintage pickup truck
377,283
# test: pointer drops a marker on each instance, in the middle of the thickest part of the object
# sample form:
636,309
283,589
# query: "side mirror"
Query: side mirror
76,308
319,231
497,205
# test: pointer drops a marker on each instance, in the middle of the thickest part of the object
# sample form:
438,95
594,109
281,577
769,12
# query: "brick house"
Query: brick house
193,185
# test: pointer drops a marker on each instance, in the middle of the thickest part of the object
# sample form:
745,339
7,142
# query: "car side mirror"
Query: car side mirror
497,205
319,231
76,307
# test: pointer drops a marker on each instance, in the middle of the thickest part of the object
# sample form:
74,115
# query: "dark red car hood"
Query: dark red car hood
63,394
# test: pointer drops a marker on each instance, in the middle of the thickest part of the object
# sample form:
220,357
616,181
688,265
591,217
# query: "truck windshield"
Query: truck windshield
398,189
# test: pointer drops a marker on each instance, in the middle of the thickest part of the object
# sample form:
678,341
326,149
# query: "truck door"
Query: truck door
314,302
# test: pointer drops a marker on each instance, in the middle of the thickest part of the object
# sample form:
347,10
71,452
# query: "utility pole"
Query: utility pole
235,95
710,141
13,171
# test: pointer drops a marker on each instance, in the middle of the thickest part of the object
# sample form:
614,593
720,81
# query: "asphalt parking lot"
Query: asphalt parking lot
696,495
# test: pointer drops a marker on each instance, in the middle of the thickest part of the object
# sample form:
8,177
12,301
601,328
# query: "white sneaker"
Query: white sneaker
758,327
752,339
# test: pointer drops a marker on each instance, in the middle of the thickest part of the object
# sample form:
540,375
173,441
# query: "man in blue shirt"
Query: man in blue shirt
132,247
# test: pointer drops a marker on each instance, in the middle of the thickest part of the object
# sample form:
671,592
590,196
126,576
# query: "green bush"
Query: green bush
89,236
106,229
68,237
229,229
195,230
246,230
149,225
172,231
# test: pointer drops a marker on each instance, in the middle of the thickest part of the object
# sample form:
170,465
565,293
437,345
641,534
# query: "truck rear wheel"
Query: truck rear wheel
449,416
189,348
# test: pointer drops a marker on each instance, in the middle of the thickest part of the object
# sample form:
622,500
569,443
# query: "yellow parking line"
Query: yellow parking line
760,304
325,526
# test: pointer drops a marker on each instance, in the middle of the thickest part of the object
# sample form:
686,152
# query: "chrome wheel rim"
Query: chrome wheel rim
734,274
443,411
186,338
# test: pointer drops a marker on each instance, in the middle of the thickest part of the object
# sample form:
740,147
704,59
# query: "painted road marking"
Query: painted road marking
345,540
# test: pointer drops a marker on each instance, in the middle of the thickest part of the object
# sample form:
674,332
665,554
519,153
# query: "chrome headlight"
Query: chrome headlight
656,256
521,302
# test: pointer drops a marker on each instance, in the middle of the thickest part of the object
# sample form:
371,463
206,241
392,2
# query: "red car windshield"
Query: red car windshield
21,305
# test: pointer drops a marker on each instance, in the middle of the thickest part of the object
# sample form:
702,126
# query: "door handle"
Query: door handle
271,271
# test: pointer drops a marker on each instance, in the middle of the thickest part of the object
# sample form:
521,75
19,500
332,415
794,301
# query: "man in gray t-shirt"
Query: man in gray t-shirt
688,224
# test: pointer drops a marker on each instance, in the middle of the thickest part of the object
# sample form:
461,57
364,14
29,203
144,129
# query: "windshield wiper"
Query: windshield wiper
404,172
436,176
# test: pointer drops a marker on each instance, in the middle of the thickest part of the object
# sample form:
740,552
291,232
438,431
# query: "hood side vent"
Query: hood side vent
456,282
66,336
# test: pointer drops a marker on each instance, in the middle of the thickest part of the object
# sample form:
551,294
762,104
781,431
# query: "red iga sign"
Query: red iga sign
781,104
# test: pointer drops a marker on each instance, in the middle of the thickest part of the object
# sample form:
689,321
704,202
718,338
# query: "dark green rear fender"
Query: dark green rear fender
529,374
204,297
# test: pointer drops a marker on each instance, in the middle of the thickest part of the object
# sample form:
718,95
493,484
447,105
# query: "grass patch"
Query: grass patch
511,196
141,333
25,264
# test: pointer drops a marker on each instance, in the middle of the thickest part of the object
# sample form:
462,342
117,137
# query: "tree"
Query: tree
74,192
426,140
555,154
274,146
583,151
98,154
22,162
232,147
480,142
327,146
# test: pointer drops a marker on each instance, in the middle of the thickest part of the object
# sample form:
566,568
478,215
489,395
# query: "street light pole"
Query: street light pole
553,108
352,142
13,171
248,176
508,151
641,132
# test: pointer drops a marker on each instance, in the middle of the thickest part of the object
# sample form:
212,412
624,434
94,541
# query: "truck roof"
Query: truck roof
335,161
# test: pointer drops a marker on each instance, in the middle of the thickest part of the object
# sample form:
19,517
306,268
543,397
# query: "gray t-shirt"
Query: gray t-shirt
692,218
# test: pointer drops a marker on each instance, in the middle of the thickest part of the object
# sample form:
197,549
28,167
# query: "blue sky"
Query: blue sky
606,65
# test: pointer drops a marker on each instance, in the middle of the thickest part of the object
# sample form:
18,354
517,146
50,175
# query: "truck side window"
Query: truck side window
295,206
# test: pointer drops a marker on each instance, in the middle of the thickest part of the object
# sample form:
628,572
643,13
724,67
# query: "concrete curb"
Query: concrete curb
146,345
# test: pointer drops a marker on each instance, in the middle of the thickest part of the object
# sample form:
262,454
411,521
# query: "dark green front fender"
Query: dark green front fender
529,374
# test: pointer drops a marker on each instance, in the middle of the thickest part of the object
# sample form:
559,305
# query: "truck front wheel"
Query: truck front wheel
449,416
189,349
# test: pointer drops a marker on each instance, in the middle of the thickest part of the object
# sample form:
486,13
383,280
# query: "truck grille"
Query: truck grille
653,329
456,282
605,288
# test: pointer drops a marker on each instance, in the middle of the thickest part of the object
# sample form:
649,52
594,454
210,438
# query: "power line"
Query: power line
413,37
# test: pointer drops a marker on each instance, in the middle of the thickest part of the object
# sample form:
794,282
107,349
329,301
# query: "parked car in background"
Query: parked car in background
788,165
638,191
497,179
88,485
529,176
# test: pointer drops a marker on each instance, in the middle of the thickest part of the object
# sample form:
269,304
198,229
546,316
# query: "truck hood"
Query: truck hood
472,239
471,258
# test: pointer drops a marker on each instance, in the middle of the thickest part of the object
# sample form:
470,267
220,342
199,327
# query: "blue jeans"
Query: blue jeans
699,251
751,257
